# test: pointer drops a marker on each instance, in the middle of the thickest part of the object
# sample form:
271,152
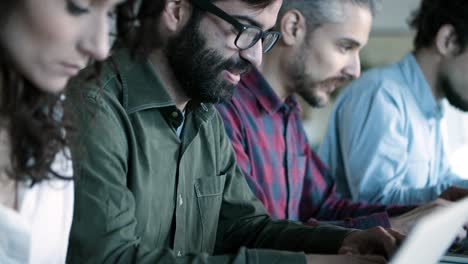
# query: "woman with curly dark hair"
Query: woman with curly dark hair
42,45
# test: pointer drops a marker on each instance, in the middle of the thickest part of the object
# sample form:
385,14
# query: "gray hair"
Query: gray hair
319,12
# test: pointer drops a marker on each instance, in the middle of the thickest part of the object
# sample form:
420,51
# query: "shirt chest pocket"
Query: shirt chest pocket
209,192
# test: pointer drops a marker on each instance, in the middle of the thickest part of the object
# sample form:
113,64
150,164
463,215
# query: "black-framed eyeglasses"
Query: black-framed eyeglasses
248,35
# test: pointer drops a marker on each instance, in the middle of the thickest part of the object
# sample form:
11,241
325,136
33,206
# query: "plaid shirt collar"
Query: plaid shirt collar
266,96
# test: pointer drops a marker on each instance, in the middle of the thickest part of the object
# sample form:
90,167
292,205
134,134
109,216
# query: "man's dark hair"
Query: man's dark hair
433,14
156,7
138,19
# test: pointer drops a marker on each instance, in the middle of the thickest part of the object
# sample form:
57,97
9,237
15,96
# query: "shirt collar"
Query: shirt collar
420,88
265,95
143,89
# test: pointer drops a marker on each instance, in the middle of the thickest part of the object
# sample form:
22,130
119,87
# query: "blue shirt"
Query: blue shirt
384,141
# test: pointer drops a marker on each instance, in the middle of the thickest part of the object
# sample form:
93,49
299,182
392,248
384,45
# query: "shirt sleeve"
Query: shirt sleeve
373,147
448,175
321,201
363,222
244,221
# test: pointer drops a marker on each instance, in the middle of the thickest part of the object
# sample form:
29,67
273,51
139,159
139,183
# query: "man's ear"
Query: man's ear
293,27
176,14
446,41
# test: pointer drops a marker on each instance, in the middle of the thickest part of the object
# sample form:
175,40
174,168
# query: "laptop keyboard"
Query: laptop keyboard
460,248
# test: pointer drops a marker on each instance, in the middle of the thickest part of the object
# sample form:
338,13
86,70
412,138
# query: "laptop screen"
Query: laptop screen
433,235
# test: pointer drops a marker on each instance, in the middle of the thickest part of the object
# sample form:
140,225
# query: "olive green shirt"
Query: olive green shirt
146,195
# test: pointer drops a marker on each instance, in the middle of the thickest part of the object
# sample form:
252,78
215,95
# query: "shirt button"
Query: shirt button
179,254
181,201
175,114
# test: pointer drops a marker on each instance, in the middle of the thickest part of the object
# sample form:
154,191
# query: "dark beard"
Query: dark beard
302,84
454,99
296,71
197,68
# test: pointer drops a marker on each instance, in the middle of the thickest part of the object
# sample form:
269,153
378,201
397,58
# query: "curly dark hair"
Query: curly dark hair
36,123
433,14
137,23
39,124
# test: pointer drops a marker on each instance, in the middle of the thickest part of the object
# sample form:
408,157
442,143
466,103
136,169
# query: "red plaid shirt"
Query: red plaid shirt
282,170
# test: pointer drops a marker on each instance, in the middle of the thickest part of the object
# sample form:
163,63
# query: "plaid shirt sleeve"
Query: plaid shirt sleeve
332,209
321,201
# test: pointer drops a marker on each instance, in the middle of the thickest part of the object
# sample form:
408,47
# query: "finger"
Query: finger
461,235
390,242
373,259
454,193
397,235
348,250
441,202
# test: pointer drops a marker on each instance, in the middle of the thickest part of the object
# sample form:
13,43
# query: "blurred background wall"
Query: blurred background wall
390,39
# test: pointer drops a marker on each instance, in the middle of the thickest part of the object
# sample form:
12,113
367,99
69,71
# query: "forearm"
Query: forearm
363,222
133,253
410,196
283,235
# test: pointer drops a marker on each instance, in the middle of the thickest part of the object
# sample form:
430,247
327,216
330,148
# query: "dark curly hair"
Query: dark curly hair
433,14
36,122
37,125
137,23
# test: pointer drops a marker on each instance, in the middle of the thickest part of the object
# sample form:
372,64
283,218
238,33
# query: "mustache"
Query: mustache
239,66
339,80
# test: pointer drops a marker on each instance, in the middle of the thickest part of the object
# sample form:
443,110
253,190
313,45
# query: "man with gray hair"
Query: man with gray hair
319,50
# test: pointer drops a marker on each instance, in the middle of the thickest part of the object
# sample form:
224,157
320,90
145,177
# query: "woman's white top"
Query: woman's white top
38,232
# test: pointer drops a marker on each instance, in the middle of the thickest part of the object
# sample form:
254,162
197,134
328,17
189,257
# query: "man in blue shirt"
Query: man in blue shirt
384,141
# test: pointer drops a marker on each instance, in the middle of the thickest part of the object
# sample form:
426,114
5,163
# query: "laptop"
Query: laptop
433,235
457,254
